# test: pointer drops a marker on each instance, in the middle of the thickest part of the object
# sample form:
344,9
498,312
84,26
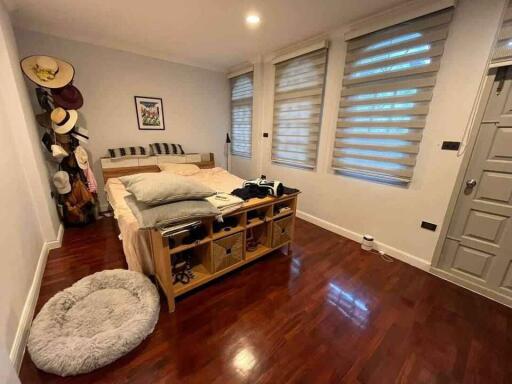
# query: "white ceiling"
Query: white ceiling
206,33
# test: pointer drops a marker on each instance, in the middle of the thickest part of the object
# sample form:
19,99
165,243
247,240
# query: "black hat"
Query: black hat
44,99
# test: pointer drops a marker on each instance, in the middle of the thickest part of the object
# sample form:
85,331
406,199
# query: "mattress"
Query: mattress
136,241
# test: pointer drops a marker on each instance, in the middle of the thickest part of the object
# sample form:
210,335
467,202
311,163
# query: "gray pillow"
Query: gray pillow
164,187
160,215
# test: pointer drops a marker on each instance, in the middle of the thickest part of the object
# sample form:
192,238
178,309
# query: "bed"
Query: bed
258,227
136,242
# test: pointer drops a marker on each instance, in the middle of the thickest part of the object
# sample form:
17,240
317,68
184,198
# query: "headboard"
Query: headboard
129,166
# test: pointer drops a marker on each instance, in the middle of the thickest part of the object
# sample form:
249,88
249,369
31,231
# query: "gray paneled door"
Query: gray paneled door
478,247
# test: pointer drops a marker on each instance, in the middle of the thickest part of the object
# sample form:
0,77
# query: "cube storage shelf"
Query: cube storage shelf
267,223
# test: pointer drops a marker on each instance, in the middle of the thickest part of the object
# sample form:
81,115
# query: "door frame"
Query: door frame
482,100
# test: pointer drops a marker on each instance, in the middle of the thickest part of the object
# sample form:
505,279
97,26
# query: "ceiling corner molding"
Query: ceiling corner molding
240,70
396,15
310,47
123,47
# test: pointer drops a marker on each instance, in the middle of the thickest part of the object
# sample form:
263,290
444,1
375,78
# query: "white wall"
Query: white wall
195,101
391,214
28,213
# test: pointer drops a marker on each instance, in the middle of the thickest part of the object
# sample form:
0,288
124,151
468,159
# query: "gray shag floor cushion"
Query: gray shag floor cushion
94,322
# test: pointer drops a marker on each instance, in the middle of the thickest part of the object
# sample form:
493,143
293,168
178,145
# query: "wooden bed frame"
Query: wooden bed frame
259,219
111,171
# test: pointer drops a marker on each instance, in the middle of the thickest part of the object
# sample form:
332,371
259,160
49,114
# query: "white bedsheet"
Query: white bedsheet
136,241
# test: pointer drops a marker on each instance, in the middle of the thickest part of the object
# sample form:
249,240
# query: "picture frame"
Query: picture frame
150,113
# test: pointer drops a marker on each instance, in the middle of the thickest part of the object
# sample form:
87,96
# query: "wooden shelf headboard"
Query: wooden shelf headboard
112,168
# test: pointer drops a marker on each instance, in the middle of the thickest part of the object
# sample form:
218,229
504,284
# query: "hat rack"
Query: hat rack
74,185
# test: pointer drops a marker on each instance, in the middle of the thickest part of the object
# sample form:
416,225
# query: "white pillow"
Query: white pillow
179,169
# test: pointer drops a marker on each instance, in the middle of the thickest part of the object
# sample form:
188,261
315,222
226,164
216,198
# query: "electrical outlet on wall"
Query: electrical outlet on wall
429,226
450,145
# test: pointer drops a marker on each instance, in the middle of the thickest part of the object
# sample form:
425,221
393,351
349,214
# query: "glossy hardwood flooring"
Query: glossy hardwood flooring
329,313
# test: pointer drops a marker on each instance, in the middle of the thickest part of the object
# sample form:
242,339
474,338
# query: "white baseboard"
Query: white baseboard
389,250
56,243
20,339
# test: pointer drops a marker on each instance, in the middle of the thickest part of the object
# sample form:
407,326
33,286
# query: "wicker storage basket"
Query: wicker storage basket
281,231
227,251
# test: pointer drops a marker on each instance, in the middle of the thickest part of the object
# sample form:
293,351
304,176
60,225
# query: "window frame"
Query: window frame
316,49
240,102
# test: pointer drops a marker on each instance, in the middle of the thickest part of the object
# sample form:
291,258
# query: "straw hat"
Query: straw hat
61,182
58,152
68,97
81,157
63,120
48,72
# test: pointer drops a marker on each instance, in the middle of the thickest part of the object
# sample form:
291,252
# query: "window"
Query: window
298,95
387,86
241,114
503,48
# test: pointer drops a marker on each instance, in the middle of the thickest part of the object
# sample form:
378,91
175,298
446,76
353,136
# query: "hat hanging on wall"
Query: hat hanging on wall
68,97
47,71
61,182
82,158
44,99
63,120
44,120
81,134
63,139
47,141
58,152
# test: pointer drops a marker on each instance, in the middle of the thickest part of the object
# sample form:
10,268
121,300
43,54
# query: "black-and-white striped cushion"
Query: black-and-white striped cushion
127,151
166,149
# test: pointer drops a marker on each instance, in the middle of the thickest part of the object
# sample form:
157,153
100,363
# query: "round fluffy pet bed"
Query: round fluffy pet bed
94,322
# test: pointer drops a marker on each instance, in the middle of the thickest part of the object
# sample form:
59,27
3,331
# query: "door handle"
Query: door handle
471,183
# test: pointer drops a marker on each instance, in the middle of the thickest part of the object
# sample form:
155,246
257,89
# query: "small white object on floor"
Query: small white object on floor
367,243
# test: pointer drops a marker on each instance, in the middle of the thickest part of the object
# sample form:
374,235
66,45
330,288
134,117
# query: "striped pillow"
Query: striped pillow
127,152
166,149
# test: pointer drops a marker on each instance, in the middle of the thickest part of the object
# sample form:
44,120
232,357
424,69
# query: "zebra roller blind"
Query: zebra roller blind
241,114
503,49
387,86
298,95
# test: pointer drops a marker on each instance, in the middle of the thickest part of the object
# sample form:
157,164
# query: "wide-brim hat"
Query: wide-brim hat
47,71
82,158
68,97
63,120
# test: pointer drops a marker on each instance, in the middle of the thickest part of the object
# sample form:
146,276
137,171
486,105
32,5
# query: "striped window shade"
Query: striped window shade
387,86
503,49
241,114
298,96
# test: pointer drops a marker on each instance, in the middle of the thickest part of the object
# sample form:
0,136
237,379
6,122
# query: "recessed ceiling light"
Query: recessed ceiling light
252,19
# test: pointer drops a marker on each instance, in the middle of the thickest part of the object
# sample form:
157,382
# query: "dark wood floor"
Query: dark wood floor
329,313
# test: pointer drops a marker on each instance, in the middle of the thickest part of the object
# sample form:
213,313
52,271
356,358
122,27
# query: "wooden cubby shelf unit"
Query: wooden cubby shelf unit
262,222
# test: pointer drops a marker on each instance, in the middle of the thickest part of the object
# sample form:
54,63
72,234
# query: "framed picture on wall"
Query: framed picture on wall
150,113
